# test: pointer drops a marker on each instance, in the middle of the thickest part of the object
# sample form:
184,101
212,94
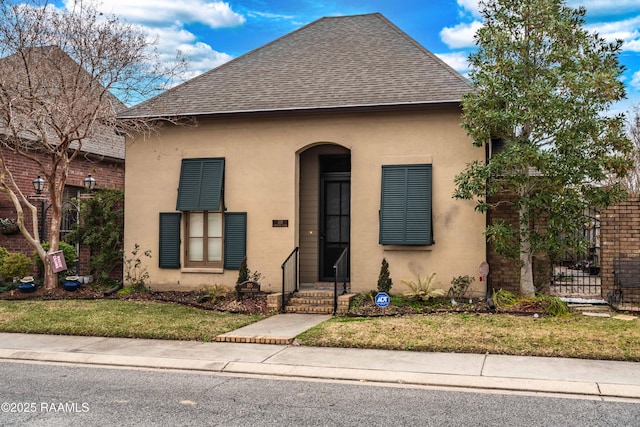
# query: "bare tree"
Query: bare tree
632,181
59,74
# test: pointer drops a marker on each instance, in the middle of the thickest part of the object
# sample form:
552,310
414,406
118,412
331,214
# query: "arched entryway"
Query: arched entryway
325,210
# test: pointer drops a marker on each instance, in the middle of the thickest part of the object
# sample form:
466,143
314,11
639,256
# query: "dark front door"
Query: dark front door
335,209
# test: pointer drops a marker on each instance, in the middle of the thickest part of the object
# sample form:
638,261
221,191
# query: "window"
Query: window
405,205
212,238
204,239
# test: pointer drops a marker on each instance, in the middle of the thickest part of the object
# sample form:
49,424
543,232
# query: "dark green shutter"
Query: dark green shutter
169,240
235,239
405,205
201,182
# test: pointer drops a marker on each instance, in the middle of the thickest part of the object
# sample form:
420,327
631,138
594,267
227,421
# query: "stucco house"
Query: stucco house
343,133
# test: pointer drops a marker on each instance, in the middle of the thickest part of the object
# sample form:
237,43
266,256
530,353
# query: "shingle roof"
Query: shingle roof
104,142
335,62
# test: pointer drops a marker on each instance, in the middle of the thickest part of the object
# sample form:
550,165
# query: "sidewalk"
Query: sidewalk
593,378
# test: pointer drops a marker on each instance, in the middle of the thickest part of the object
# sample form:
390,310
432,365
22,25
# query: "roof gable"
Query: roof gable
336,62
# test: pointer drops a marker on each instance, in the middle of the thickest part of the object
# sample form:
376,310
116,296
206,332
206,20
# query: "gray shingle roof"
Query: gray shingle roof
349,61
51,79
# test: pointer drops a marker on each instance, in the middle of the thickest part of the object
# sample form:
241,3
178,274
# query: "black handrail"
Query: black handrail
343,261
292,256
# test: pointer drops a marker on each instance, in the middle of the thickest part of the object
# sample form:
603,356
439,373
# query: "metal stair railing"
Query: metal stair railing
340,271
289,276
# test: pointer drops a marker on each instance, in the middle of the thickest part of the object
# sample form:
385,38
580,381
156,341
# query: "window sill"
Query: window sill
417,248
214,270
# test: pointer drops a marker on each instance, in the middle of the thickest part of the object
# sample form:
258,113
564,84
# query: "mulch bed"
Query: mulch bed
256,304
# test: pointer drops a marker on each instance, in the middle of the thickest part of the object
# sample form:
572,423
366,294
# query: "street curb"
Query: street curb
592,389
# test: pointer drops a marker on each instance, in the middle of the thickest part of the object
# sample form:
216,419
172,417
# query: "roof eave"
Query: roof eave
310,110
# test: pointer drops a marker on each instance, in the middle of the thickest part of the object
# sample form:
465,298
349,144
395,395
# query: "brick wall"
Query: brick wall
109,173
505,272
620,238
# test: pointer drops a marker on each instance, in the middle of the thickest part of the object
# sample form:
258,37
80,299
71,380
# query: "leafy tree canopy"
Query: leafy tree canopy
543,85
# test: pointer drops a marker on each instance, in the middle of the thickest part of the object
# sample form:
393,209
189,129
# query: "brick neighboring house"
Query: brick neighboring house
345,133
102,157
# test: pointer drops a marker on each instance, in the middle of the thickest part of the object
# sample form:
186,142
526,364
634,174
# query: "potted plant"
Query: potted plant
9,226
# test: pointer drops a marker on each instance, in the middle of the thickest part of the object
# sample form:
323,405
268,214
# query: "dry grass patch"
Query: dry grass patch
571,336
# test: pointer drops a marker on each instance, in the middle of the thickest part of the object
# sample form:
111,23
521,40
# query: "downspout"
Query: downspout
487,291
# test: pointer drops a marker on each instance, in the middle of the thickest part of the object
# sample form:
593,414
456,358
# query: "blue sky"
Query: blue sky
210,33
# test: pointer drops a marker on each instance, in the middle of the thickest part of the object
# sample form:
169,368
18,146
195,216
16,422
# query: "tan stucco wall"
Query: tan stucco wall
262,174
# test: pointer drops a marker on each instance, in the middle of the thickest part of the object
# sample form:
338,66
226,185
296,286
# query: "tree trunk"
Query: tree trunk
50,278
527,287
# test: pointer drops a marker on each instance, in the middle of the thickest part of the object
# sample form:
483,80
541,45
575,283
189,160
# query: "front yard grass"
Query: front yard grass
115,318
574,336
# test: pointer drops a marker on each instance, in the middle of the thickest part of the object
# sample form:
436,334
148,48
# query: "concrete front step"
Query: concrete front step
301,309
317,301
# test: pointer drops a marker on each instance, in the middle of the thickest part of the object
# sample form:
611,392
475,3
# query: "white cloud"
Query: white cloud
635,81
470,6
200,55
164,21
461,35
456,60
627,30
273,16
214,14
606,7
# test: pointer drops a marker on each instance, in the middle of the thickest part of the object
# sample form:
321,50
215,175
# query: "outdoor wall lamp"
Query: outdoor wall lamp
89,182
38,183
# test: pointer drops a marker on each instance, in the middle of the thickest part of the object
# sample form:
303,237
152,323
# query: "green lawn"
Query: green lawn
574,336
115,318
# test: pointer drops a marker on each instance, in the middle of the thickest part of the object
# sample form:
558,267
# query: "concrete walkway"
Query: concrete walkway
591,378
278,329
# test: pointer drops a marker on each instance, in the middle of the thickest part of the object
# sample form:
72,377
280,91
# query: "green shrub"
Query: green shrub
3,253
552,305
460,286
503,299
135,274
16,265
243,273
423,288
384,279
213,293
101,226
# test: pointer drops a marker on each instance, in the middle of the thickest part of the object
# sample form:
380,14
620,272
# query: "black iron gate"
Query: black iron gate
577,274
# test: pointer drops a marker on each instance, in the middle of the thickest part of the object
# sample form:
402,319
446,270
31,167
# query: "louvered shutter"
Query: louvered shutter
235,239
169,240
201,182
405,205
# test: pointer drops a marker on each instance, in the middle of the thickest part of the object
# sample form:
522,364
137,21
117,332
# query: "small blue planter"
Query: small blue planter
27,287
71,283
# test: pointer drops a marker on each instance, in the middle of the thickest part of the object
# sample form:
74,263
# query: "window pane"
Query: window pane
345,198
332,198
196,249
333,229
214,249
196,224
214,225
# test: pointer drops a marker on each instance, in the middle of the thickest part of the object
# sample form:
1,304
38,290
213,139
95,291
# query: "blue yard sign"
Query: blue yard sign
382,299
